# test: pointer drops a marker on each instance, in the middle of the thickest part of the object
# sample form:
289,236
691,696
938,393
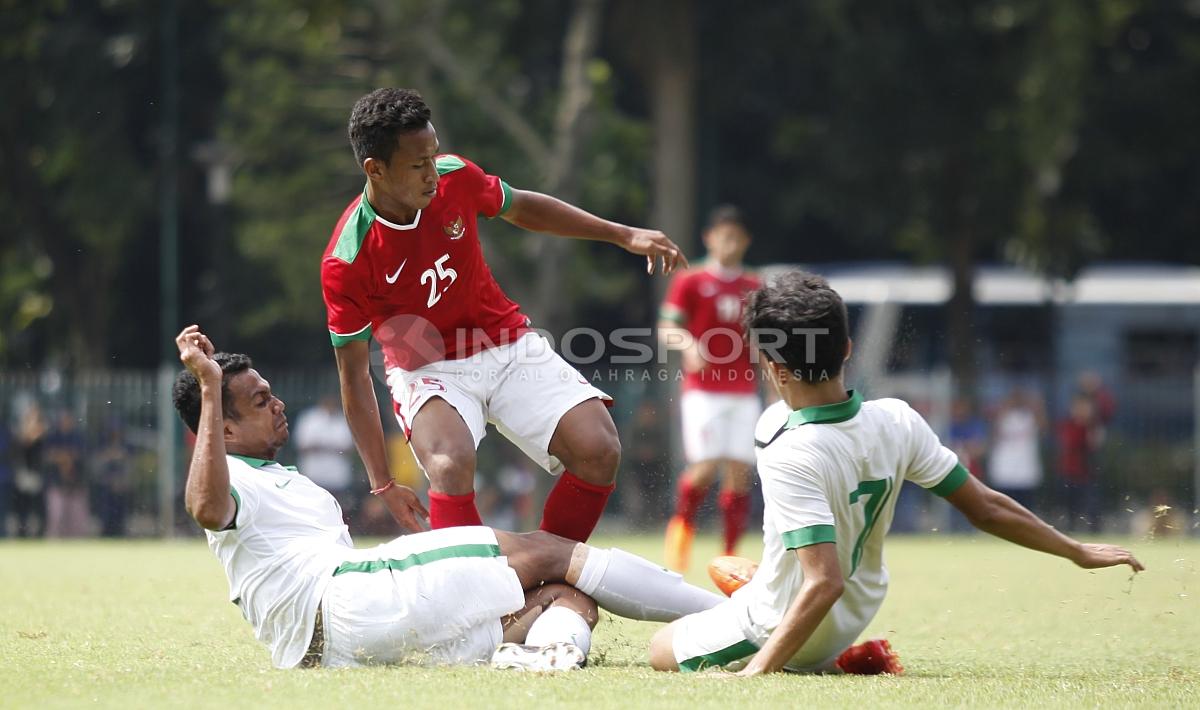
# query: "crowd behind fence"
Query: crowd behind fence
79,454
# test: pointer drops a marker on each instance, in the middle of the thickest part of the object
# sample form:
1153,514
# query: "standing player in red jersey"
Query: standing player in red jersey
720,403
405,266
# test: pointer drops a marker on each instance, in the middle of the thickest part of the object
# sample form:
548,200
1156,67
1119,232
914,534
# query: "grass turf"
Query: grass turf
977,622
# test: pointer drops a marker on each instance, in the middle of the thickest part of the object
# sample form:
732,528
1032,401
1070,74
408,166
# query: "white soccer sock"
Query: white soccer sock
630,586
558,623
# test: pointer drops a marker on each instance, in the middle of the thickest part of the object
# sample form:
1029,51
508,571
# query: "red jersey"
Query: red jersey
423,290
709,303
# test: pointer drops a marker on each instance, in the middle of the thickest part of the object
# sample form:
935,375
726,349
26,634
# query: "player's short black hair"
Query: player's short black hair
725,214
378,119
186,392
798,320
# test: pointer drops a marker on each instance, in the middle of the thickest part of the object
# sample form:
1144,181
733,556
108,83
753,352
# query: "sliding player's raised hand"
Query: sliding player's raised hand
196,353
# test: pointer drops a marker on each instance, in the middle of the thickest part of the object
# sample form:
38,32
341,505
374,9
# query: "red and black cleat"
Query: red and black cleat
870,658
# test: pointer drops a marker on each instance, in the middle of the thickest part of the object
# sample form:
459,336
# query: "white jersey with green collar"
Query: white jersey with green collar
832,474
286,539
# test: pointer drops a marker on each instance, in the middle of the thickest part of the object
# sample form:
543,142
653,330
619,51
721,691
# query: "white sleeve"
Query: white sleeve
796,500
244,492
931,465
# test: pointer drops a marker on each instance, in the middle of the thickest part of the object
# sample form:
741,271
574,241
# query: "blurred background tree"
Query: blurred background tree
1043,134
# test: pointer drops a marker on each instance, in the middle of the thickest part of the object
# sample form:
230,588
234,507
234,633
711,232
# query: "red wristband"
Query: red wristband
384,488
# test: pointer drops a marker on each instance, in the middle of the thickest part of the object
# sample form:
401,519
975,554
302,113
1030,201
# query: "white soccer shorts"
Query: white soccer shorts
726,635
719,425
433,598
524,388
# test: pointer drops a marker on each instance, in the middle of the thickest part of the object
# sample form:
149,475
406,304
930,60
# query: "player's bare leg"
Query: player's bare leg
734,501
552,632
693,487
586,442
445,449
541,599
662,650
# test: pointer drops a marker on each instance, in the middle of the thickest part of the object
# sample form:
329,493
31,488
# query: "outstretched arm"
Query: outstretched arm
995,513
538,212
362,414
206,494
821,589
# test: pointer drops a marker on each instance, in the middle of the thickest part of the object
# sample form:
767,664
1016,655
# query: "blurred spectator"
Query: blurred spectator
66,489
326,445
1015,464
967,437
113,482
6,474
1092,386
512,493
29,481
373,519
1080,436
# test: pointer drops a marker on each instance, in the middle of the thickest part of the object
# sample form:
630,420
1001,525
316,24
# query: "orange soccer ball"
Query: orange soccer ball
730,573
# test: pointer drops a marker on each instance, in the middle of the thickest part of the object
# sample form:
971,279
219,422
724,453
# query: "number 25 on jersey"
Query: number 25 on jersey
435,276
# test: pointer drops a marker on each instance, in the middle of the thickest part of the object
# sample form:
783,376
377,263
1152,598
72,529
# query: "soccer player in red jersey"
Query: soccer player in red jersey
720,406
404,265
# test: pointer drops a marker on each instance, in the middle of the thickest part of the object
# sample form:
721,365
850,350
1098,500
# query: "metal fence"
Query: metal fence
1149,469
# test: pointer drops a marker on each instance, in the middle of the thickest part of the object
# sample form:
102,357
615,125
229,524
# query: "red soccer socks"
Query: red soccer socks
448,511
574,506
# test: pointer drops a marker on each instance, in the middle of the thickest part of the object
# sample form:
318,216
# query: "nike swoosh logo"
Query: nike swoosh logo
392,278
283,484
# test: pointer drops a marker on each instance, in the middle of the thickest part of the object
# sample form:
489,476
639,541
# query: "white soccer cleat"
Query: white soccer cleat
560,656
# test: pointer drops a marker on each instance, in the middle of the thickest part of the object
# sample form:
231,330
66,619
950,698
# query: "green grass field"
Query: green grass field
977,623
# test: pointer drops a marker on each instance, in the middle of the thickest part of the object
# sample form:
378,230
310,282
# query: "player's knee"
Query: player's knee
662,651
702,473
599,459
567,596
450,470
542,557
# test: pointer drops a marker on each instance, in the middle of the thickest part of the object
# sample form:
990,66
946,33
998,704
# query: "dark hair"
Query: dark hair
186,392
799,300
725,214
380,117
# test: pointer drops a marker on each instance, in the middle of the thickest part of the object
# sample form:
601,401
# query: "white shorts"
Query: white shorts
726,635
524,388
718,425
433,598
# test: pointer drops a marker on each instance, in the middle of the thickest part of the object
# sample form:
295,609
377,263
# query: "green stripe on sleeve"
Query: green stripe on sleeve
354,231
338,339
419,558
952,482
811,535
741,649
237,508
508,198
448,164
672,313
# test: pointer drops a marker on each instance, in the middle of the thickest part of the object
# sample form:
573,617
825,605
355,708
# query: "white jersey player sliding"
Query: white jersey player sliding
831,466
457,595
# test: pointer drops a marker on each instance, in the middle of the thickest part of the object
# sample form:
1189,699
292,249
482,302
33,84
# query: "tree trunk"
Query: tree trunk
553,305
672,86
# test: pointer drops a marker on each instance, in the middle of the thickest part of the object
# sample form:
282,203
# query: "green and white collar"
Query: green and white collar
826,413
260,463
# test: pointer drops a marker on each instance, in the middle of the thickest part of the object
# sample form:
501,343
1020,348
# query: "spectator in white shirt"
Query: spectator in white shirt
326,447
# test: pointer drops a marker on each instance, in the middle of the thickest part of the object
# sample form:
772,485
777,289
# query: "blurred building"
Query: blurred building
1133,327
